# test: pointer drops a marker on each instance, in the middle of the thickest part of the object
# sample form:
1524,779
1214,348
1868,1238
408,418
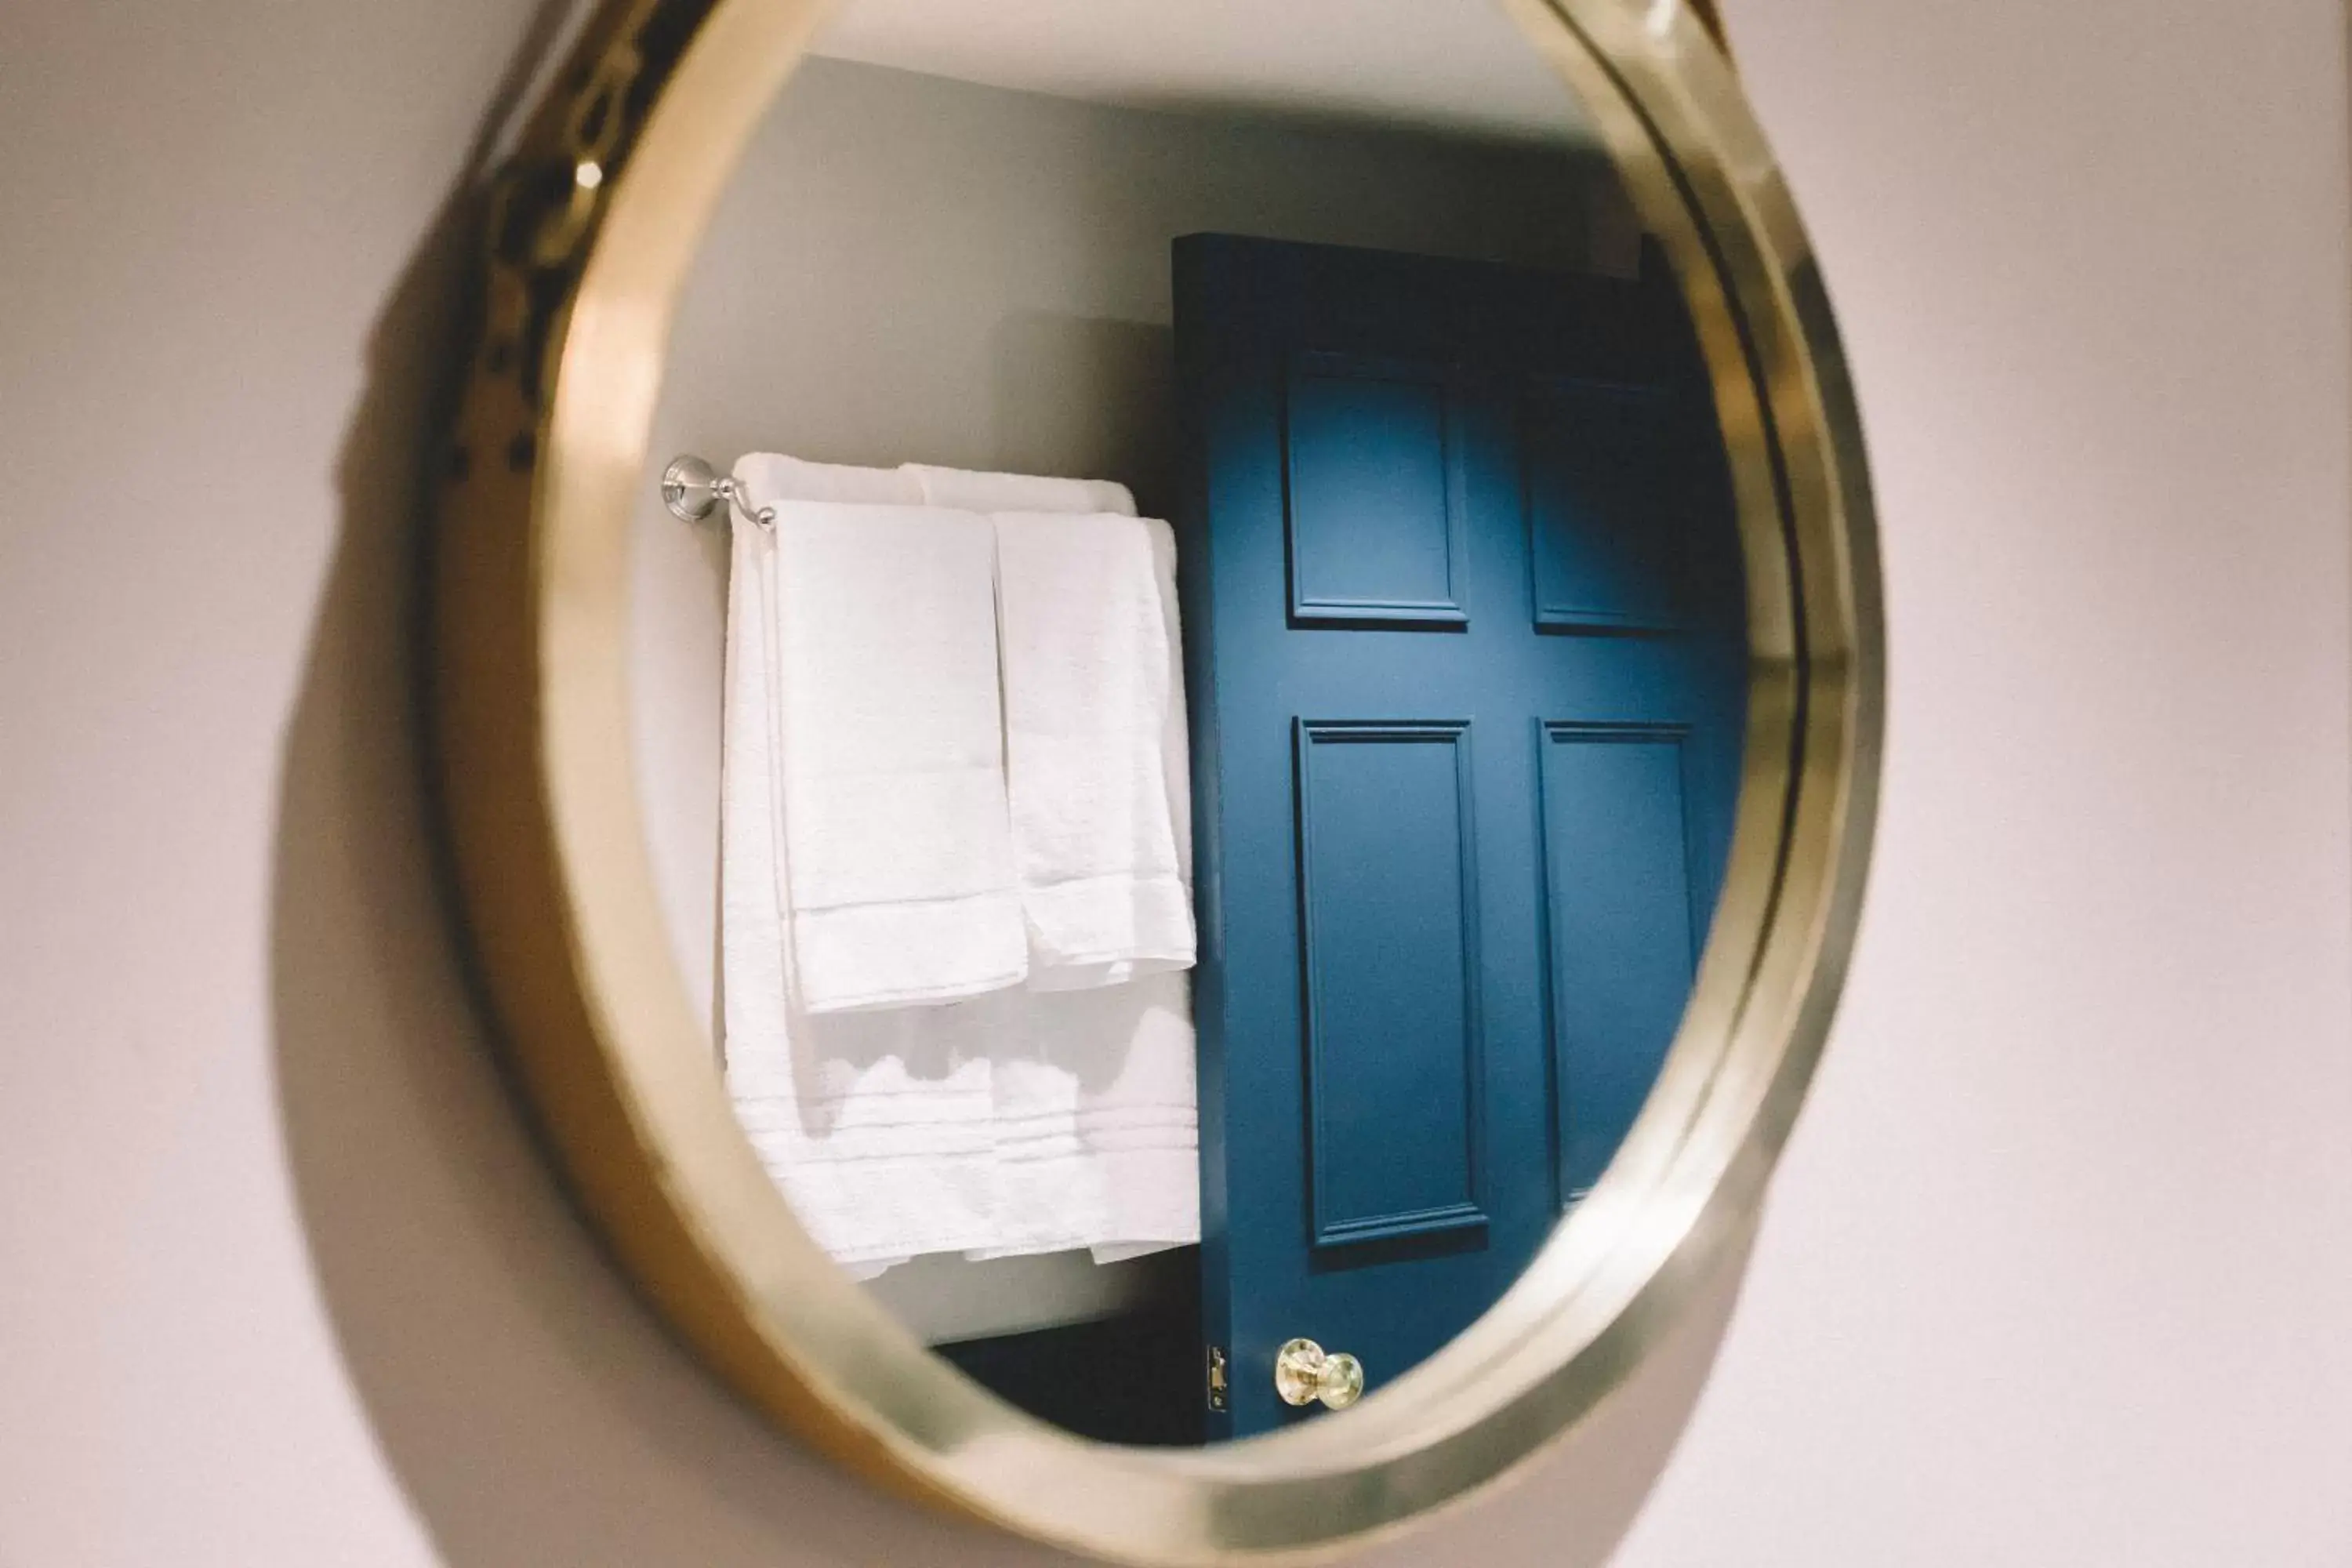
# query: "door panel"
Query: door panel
1619,897
1375,508
1389,898
1465,742
1605,539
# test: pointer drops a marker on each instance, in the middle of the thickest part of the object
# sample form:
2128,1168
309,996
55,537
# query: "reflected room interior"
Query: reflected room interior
1192,776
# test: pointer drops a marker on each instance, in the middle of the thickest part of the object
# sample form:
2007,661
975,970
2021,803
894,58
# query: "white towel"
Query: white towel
1097,1141
1094,1090
772,478
1094,744
967,491
879,1127
898,843
1011,1124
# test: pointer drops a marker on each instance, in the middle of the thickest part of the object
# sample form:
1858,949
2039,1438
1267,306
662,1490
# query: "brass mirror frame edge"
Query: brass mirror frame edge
593,226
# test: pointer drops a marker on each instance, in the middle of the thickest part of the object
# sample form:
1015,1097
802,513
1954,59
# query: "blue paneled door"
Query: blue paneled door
1463,637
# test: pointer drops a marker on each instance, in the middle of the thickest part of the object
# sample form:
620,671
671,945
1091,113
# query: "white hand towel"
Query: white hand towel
966,489
897,840
878,1127
1091,720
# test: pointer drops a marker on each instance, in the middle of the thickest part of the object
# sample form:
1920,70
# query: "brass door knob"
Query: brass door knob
1304,1373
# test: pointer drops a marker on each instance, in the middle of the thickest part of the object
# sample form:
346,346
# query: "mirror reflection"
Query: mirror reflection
1192,761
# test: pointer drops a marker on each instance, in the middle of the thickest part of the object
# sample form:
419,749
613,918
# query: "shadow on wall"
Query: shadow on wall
531,1408
1125,427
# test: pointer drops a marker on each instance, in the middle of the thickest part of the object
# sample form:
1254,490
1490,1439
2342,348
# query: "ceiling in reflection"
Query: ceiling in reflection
1455,66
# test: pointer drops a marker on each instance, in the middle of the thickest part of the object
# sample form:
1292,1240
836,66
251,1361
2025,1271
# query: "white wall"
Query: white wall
2058,1269
914,269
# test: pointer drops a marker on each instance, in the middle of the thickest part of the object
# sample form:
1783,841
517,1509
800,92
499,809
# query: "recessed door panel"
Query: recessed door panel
1604,508
1389,905
1374,505
1623,934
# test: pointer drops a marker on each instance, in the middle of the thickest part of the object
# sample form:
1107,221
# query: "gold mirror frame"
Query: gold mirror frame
592,229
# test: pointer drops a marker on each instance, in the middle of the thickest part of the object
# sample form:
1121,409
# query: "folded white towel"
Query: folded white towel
879,1127
1009,1124
968,490
772,478
1090,684
1176,751
898,843
1096,1126
884,1137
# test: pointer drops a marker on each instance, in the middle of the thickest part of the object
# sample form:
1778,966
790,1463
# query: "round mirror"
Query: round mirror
1161,722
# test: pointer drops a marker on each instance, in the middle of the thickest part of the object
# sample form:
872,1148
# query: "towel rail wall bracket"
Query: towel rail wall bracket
693,489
